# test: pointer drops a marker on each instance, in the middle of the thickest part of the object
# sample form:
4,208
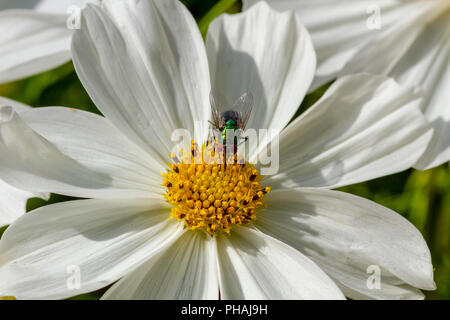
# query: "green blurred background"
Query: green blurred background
422,197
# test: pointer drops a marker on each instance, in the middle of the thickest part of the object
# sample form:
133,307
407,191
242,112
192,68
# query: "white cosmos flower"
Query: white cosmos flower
404,39
146,67
36,35
13,201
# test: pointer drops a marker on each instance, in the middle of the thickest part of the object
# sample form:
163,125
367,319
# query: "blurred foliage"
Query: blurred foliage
421,197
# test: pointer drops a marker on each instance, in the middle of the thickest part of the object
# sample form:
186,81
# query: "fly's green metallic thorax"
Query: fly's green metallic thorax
230,124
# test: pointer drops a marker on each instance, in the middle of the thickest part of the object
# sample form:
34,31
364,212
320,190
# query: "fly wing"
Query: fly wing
243,106
219,105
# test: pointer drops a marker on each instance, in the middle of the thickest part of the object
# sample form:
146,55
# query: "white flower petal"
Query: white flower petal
13,203
147,74
267,53
336,28
17,106
345,234
104,163
256,266
46,6
14,200
97,240
186,271
364,127
340,28
38,37
34,42
426,64
95,142
411,45
383,51
388,292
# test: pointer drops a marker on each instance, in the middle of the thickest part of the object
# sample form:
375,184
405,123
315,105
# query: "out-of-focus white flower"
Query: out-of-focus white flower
146,67
406,40
13,201
35,35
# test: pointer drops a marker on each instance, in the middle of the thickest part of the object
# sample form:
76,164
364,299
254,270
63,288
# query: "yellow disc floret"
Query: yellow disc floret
213,196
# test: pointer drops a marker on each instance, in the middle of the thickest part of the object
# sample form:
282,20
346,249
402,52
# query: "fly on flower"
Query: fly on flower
216,231
229,119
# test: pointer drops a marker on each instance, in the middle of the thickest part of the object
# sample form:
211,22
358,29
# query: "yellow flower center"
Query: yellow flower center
210,195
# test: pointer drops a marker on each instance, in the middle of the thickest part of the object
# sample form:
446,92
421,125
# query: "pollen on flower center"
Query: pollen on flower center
210,195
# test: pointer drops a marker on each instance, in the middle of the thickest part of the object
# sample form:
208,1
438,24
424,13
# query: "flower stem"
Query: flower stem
219,8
